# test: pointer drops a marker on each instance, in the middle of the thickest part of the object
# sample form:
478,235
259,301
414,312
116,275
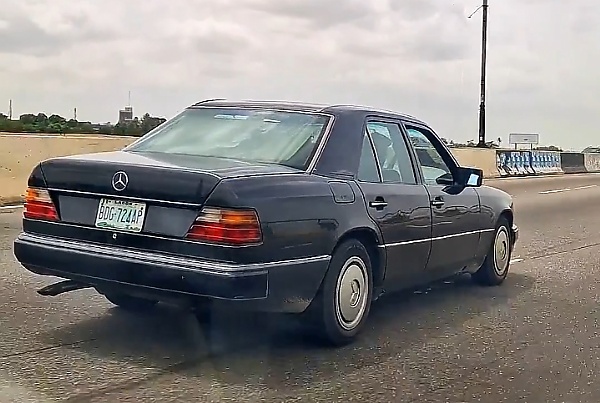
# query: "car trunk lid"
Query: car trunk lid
144,178
164,191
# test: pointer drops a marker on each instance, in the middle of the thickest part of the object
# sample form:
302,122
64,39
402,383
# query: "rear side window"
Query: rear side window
367,166
253,135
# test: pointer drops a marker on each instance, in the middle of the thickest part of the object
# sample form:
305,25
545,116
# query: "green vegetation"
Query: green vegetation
41,123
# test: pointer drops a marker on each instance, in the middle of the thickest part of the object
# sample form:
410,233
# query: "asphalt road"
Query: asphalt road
533,339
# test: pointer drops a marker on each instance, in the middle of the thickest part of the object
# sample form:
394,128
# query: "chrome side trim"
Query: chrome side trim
140,199
437,238
181,263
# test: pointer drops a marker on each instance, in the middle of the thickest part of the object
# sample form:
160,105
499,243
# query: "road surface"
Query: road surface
534,339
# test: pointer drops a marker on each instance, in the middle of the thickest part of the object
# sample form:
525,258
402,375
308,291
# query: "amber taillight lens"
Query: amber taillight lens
39,205
226,226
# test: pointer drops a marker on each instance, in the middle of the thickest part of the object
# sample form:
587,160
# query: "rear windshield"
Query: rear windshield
253,135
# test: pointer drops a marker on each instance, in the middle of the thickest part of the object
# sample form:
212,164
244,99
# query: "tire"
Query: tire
342,305
129,303
495,267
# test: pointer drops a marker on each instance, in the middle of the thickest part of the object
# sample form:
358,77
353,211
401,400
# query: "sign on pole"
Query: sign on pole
524,138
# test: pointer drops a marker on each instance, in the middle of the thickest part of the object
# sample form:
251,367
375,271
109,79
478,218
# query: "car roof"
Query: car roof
304,107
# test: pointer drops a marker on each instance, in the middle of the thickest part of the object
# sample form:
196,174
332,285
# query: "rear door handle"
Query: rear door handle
437,202
378,204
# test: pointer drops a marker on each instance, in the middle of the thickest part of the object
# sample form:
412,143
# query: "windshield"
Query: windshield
254,135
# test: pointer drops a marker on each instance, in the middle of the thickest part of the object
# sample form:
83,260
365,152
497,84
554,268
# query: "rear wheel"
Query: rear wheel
130,303
342,305
497,262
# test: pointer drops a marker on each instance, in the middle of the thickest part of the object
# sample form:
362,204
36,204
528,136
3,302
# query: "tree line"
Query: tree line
41,123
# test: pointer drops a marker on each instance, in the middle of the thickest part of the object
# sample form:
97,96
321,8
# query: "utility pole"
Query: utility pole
483,71
75,113
10,109
484,6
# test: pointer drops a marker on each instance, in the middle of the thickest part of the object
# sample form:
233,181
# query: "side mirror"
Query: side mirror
446,179
469,177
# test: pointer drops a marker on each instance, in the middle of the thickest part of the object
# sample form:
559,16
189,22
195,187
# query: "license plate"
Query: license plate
121,215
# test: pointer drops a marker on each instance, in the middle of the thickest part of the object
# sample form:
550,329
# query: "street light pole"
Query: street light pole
483,73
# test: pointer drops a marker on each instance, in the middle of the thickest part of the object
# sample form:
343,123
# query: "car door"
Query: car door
395,201
455,212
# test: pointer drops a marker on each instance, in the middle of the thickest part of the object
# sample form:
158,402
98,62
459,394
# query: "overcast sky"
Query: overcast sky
421,57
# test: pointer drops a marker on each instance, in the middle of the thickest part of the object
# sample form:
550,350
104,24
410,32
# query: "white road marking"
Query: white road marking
585,187
18,206
545,192
515,261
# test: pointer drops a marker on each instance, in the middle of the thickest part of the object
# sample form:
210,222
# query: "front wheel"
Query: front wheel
495,267
342,305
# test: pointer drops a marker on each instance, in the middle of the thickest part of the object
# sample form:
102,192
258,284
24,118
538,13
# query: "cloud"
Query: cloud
317,14
416,56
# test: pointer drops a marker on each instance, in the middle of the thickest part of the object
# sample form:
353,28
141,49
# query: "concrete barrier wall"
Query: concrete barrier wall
478,158
591,162
525,162
573,163
19,154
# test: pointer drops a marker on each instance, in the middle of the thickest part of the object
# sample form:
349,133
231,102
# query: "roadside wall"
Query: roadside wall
478,158
591,162
573,163
20,153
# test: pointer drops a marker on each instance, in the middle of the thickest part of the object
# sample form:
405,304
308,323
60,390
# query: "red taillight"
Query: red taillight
39,205
226,226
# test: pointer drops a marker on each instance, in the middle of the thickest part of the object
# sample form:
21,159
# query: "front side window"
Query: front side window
433,165
392,152
253,135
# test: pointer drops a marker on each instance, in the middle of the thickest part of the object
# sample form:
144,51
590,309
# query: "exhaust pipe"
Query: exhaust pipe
62,287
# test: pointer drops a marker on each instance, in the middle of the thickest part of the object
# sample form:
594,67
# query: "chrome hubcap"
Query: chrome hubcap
501,251
351,293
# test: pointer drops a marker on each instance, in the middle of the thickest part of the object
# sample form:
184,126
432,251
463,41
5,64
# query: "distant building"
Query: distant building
126,115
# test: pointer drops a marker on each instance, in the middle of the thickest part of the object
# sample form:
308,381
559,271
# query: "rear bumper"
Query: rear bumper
283,286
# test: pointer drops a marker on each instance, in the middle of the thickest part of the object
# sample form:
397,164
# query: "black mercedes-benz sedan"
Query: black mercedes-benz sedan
268,206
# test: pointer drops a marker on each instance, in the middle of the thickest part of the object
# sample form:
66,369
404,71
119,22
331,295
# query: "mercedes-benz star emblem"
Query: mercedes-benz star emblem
120,181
